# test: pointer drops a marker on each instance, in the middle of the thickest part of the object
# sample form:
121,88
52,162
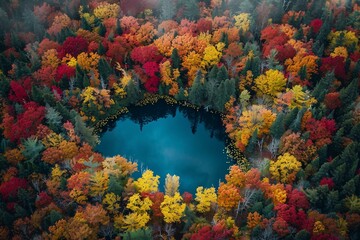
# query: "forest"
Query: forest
283,74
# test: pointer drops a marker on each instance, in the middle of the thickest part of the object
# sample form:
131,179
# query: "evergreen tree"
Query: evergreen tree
118,28
197,90
225,90
133,94
101,49
49,99
191,11
349,93
296,124
85,133
250,148
340,23
175,59
53,118
355,133
167,9
105,69
325,28
64,112
290,117
37,95
299,34
318,48
4,86
322,86
222,74
277,129
180,96
85,25
212,75
272,62
102,30
225,39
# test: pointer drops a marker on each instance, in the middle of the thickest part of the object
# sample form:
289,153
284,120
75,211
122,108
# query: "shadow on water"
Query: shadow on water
170,139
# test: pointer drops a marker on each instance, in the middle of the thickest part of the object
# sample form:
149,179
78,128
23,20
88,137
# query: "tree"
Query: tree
148,182
277,129
133,93
172,208
272,83
197,90
322,86
191,10
175,59
205,197
85,133
53,118
167,9
223,93
285,168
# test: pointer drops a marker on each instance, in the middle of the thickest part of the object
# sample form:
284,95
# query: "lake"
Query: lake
170,139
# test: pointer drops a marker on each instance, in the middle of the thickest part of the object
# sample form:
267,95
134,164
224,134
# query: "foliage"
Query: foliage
284,76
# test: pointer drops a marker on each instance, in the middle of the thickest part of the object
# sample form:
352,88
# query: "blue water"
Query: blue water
177,141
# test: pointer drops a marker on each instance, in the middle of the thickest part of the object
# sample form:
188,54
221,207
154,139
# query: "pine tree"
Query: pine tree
250,148
350,93
64,112
197,90
101,50
290,117
85,133
272,62
191,11
105,69
175,59
32,149
180,96
118,28
102,30
340,23
212,75
222,74
167,9
4,86
225,90
133,94
325,28
277,129
53,118
318,48
322,86
296,124
85,25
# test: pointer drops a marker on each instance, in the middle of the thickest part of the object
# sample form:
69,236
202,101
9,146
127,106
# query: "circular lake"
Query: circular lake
170,139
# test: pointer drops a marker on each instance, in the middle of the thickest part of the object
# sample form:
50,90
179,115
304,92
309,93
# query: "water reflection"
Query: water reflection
170,139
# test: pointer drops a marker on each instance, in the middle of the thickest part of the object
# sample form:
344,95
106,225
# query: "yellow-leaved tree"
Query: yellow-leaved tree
99,183
285,168
111,202
242,22
136,204
205,197
212,55
139,216
148,182
271,83
172,208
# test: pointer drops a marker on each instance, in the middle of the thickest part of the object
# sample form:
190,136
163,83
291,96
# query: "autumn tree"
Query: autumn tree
271,83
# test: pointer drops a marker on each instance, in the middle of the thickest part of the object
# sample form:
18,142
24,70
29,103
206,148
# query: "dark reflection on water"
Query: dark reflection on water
170,139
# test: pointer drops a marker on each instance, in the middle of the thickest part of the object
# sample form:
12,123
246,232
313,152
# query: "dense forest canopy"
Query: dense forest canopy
283,74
